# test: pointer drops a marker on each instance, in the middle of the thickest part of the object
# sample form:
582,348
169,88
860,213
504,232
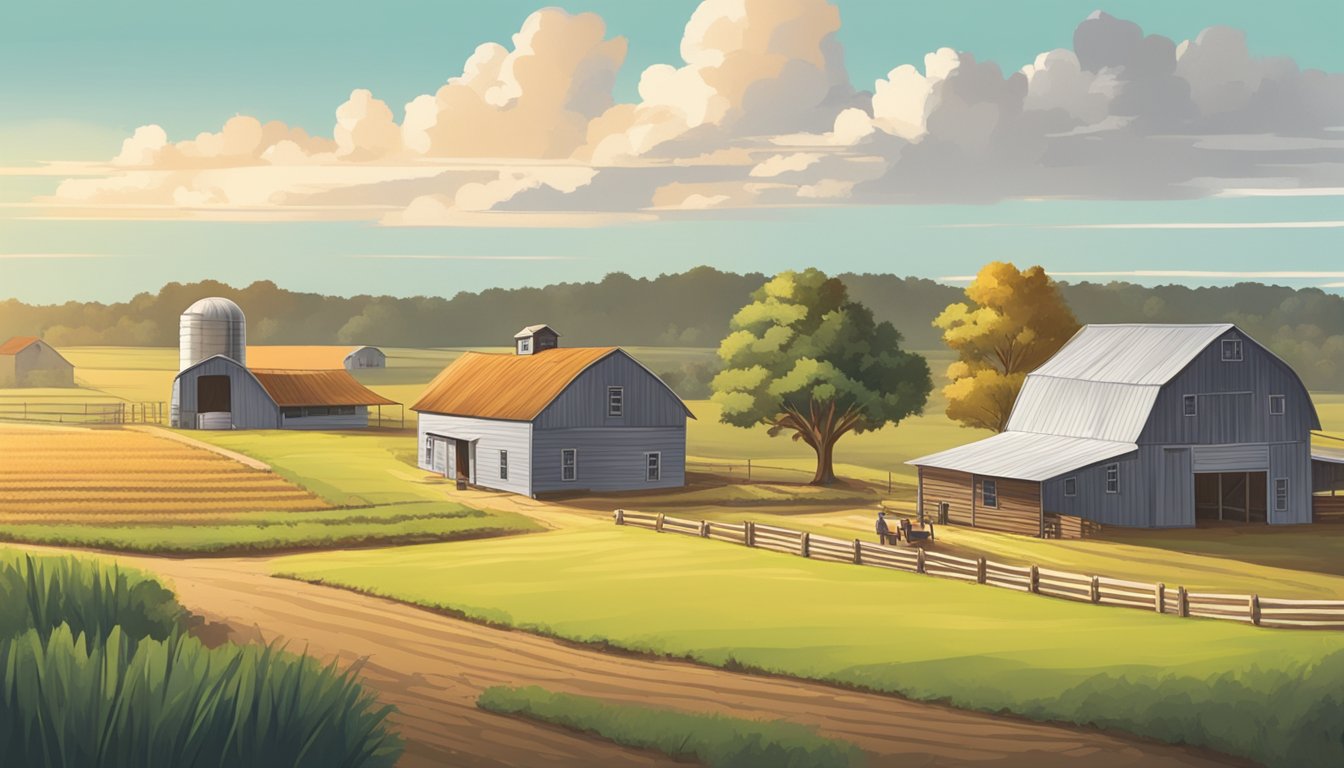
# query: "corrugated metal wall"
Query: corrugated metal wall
366,357
648,403
1293,462
495,436
359,420
609,459
252,406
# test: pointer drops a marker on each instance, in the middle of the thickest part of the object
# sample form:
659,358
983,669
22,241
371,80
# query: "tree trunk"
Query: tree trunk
825,474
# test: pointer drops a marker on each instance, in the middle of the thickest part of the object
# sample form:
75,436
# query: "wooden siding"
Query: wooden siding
1018,510
937,486
647,401
252,407
1132,506
495,436
1327,476
1291,461
609,458
1224,417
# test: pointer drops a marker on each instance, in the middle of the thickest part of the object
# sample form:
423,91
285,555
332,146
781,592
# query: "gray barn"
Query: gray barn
27,361
1148,426
547,419
365,357
221,393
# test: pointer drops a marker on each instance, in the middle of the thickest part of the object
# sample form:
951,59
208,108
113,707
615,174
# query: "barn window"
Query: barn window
990,492
429,450
569,464
1231,350
503,465
615,401
1280,494
1191,405
1112,478
1070,486
524,345
1277,405
653,467
292,413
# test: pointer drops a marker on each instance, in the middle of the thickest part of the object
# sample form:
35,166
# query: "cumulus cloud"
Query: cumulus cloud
760,111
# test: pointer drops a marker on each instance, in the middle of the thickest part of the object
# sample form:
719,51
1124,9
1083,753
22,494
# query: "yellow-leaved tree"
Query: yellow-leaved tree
1013,321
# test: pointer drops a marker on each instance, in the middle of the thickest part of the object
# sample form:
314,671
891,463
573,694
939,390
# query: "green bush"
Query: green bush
42,593
714,740
69,701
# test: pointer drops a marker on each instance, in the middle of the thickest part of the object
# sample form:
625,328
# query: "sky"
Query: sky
650,137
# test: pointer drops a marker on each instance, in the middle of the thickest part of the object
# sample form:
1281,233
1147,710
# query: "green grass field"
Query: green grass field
726,605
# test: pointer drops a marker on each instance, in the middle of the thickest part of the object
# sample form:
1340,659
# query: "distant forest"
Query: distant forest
1304,326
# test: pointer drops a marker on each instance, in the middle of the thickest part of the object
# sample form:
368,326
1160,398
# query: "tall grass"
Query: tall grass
66,701
96,671
717,741
92,599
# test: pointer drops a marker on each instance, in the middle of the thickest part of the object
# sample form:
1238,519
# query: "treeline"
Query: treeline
1304,326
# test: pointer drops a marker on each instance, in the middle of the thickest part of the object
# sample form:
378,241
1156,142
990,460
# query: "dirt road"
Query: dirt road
433,667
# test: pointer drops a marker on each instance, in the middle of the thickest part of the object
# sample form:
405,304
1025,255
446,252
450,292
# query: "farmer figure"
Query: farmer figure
883,532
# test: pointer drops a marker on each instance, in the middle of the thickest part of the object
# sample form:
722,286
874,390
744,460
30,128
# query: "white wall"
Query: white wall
495,436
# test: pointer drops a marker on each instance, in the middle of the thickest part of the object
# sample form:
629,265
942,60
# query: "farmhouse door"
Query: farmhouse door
439,456
1175,490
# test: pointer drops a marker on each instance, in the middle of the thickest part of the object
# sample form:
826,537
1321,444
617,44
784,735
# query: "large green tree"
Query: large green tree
802,358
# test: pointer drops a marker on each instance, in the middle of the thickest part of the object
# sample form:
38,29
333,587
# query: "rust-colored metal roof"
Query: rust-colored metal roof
510,387
17,344
290,388
314,358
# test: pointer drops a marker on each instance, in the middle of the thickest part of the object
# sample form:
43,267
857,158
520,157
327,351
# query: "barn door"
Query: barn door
438,460
1175,490
213,394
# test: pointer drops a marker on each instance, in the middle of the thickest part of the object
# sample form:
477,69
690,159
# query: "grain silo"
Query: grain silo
210,327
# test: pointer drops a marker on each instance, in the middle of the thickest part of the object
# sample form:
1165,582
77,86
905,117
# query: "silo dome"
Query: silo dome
213,326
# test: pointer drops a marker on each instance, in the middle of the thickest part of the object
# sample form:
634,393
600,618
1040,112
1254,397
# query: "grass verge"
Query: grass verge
717,741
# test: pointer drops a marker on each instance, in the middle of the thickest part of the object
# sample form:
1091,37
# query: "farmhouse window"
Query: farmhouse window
429,451
1277,405
503,465
1191,405
569,464
525,345
653,467
1231,350
615,401
1070,486
990,492
1112,478
1280,494
292,413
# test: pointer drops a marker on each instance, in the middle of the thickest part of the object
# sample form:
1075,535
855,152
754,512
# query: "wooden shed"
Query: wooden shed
27,361
546,419
1146,426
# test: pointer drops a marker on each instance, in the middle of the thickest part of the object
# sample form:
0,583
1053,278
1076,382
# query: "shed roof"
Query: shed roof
532,329
306,358
16,345
332,387
1026,455
1328,455
510,387
1135,353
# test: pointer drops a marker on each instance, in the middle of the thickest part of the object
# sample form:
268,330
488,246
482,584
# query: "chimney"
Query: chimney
535,339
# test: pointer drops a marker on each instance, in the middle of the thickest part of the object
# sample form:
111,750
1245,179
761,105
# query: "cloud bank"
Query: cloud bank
759,112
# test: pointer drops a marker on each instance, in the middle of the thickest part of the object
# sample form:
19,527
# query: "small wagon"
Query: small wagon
915,534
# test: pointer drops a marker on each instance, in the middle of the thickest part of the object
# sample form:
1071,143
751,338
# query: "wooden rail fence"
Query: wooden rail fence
1098,590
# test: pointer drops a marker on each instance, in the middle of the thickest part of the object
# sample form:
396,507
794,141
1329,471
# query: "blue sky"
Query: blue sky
78,78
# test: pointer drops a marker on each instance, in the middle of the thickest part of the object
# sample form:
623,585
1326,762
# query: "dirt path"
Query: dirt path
433,667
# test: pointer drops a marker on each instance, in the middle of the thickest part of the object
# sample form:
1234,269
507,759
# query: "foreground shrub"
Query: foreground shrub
69,700
714,740
91,598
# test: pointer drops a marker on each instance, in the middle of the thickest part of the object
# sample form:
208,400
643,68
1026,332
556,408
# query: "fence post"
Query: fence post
749,530
748,470
1160,598
1182,602
858,552
620,517
704,529
1255,610
919,560
1034,585
658,524
980,571
805,544
1096,589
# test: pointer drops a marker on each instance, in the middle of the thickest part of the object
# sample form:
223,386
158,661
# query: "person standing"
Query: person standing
883,532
